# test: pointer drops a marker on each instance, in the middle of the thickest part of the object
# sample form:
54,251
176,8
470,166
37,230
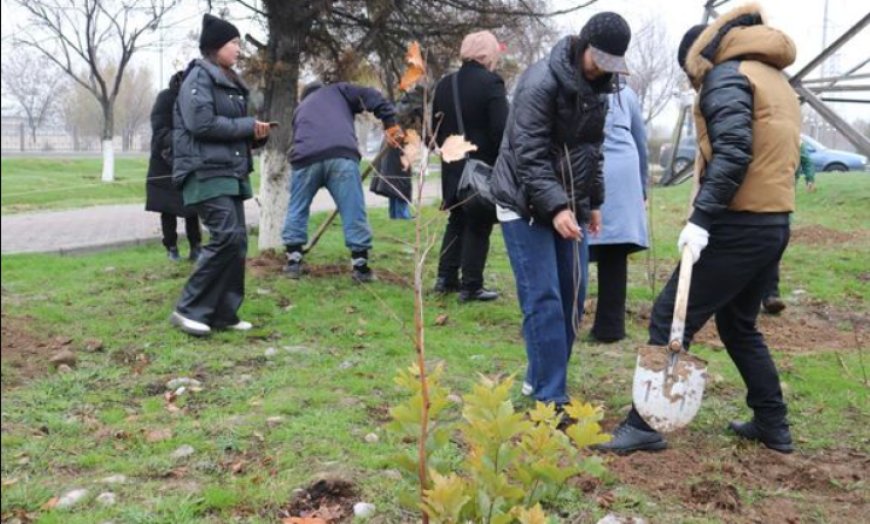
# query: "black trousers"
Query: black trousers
465,246
169,224
772,287
612,281
729,281
215,290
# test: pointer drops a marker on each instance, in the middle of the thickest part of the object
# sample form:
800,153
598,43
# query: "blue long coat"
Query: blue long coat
626,170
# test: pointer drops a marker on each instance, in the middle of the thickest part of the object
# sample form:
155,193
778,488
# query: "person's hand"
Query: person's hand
695,237
595,222
566,224
261,129
394,136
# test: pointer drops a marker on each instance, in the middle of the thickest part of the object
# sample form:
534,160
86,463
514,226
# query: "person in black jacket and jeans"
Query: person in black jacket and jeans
548,184
484,107
161,196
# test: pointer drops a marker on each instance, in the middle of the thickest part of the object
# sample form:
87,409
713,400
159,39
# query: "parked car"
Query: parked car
824,159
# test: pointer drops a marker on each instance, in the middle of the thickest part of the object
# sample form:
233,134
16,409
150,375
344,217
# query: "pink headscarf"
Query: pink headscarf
482,47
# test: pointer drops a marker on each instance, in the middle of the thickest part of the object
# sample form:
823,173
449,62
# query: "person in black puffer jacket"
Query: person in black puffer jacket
212,141
548,184
161,195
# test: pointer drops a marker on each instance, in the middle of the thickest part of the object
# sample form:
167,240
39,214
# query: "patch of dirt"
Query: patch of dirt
816,235
329,498
26,351
803,328
709,480
271,263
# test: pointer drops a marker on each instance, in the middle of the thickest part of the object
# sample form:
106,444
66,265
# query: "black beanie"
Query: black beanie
216,33
688,39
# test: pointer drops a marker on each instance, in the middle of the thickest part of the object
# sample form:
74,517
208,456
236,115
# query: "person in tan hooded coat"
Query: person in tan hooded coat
748,122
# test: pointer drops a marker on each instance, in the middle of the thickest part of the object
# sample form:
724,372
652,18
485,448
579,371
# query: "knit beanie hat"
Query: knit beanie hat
686,43
215,33
608,35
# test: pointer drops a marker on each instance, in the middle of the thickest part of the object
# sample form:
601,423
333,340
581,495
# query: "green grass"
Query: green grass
338,346
33,184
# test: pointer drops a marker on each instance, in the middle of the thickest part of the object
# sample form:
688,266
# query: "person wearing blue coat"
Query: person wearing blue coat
624,225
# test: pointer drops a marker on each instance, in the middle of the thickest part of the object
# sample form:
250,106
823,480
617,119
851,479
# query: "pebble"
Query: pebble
63,368
63,357
270,352
71,498
107,499
176,383
183,452
274,421
347,364
114,479
372,438
363,510
615,519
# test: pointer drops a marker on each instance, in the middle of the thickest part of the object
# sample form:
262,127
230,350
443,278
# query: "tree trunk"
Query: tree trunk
280,94
108,145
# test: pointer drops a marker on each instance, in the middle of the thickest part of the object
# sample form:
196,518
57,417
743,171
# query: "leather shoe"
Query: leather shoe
628,439
480,295
241,325
772,305
778,439
444,286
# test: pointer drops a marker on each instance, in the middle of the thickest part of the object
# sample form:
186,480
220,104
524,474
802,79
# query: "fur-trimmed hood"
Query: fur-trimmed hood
740,33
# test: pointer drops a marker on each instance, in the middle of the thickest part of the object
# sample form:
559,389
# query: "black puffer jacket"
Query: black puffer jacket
212,132
550,158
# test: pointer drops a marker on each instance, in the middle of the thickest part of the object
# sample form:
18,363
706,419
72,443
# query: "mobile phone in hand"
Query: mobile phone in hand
274,124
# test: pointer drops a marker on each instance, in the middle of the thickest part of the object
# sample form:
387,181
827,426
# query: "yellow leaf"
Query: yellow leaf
534,515
455,148
415,69
543,412
583,411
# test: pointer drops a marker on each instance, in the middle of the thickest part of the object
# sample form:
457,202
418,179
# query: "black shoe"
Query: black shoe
776,439
628,439
772,305
293,270
173,254
195,253
595,339
480,295
362,274
444,286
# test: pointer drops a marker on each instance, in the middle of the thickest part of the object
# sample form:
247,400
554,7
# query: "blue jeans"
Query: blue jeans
551,275
399,209
341,178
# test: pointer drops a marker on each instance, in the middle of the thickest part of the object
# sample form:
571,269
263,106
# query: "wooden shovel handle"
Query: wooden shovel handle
678,325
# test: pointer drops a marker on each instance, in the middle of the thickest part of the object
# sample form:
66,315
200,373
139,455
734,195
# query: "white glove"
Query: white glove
694,236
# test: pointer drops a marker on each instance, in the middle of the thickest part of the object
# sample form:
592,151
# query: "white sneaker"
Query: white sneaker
191,327
242,325
527,389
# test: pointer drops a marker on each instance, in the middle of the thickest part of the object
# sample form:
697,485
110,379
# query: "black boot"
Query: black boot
173,254
361,273
480,295
195,252
628,439
778,439
293,268
772,305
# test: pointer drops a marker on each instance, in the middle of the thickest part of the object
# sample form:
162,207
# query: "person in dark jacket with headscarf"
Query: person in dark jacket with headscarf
213,138
484,107
161,195
748,120
548,185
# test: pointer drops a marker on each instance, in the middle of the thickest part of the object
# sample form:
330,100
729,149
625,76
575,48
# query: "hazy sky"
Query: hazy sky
803,21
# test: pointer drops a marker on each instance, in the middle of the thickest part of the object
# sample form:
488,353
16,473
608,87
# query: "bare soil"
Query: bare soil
26,351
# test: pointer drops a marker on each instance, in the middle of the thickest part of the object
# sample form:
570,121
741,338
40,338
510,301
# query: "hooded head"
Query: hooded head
688,39
175,80
482,47
740,33
215,33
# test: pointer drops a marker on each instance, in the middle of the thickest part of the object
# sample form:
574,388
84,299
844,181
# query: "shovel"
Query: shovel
668,381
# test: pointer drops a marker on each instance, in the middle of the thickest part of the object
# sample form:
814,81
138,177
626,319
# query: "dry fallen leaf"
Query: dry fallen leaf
411,152
303,520
441,319
9,482
51,504
415,70
158,435
455,148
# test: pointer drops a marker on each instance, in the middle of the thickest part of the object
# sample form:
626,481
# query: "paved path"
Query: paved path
105,227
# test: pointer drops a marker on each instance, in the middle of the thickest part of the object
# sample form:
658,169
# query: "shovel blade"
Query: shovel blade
668,387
